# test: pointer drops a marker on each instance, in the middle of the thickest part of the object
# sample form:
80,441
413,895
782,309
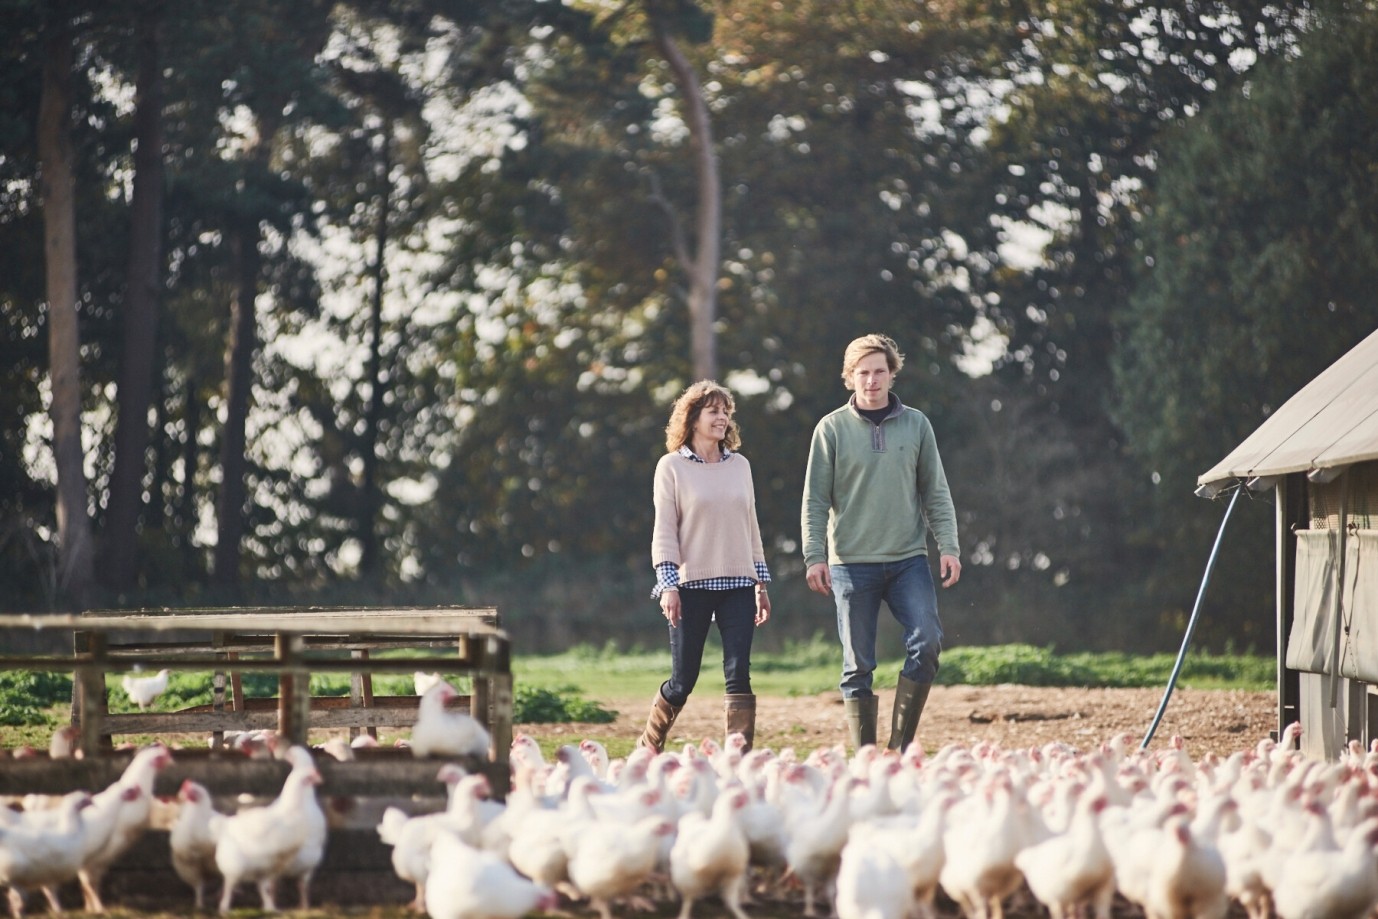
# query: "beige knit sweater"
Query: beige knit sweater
706,518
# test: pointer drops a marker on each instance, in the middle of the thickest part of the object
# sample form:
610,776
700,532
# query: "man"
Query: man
874,489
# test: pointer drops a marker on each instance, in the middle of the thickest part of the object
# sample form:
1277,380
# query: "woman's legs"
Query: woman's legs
736,617
686,643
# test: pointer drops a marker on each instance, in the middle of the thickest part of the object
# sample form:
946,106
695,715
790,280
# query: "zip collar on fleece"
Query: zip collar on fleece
877,430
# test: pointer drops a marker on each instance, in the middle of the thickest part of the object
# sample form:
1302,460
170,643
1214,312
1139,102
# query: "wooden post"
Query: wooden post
92,704
361,693
294,691
218,693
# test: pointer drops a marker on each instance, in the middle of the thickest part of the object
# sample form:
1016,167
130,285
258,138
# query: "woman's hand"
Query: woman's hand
669,606
762,606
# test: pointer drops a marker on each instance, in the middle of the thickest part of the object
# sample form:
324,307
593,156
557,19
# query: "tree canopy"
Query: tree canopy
424,278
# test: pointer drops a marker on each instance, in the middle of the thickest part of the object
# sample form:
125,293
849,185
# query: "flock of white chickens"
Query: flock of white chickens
873,835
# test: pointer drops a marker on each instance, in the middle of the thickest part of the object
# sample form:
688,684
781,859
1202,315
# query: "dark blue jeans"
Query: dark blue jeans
735,612
907,588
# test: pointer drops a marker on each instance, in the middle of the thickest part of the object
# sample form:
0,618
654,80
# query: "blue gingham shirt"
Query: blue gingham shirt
667,573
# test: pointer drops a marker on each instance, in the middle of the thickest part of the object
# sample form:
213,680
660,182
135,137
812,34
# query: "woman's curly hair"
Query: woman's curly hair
687,408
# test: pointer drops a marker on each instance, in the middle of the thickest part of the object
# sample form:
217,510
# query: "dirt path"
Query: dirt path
1210,721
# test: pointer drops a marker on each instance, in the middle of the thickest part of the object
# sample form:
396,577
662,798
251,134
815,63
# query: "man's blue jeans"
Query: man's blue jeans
907,588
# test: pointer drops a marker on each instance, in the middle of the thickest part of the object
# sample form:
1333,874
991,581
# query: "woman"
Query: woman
710,567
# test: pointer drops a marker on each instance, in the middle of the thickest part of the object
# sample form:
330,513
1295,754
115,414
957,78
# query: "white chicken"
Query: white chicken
144,690
1329,885
467,883
422,681
710,854
979,872
42,852
1187,880
597,755
258,844
192,838
1072,869
438,732
308,856
411,838
814,848
871,882
537,845
917,848
122,812
612,860
65,743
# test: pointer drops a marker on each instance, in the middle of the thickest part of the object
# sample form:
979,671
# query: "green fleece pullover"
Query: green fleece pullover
873,491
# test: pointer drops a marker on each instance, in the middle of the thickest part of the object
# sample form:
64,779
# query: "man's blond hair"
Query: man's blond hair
866,345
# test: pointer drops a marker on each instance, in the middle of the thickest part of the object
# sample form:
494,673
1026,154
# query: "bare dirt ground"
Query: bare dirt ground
1209,721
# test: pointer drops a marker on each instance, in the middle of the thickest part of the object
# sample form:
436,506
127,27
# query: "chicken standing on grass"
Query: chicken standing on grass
438,732
144,690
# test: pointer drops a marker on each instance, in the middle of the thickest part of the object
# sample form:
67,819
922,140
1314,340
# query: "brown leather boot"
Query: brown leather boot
910,698
658,723
739,716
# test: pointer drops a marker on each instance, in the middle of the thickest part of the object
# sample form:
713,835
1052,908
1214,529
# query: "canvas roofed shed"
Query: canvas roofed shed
1319,452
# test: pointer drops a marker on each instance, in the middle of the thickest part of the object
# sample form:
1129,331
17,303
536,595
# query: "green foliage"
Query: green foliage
536,705
25,694
1258,262
808,668
1029,666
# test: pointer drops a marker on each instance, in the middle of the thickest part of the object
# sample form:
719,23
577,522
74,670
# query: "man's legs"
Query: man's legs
914,603
857,590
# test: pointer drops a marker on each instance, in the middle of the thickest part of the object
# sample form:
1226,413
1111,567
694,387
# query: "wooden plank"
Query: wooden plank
259,665
291,643
261,714
342,621
373,773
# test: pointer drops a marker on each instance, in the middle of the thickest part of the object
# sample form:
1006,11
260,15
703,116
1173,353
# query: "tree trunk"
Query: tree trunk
239,378
368,507
142,288
192,567
57,186
702,264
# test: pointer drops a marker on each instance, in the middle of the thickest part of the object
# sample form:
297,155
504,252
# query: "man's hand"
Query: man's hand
950,569
820,579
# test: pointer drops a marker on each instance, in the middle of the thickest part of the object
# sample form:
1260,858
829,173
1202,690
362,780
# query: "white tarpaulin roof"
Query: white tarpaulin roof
1331,422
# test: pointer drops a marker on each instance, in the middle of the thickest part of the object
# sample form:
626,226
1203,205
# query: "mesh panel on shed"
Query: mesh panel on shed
1362,510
